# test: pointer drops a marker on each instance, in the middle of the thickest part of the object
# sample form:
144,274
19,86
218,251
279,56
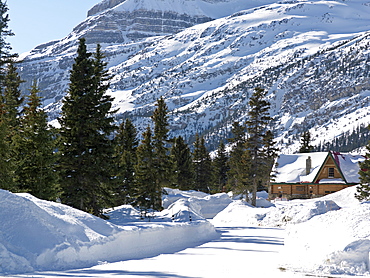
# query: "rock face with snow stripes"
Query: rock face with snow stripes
312,57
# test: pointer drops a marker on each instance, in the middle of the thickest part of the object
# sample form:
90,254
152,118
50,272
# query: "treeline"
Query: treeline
348,141
90,163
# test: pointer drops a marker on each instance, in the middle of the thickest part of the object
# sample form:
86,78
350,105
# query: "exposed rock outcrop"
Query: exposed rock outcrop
102,6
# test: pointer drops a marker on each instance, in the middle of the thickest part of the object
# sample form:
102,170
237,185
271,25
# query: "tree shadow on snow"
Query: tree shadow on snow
93,273
226,236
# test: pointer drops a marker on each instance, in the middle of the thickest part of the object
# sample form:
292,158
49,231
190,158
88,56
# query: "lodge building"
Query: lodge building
309,175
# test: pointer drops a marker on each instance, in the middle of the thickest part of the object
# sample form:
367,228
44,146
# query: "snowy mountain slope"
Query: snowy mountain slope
312,57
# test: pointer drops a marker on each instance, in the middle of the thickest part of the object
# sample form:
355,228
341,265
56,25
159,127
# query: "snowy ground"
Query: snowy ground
323,237
239,252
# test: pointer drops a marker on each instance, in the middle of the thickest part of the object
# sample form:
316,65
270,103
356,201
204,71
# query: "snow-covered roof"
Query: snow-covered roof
348,163
291,168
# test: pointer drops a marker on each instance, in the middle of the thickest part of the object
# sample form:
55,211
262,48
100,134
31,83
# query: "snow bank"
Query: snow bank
343,198
208,206
175,194
335,243
42,235
324,236
292,212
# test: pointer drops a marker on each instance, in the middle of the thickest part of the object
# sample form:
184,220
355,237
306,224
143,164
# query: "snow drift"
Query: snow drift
333,243
203,204
327,235
42,235
283,213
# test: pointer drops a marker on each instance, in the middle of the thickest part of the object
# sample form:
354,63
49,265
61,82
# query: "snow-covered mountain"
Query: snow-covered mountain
313,57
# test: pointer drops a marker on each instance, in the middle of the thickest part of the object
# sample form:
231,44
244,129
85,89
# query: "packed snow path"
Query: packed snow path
239,252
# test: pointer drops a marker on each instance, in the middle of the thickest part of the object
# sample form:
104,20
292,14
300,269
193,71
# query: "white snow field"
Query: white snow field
324,237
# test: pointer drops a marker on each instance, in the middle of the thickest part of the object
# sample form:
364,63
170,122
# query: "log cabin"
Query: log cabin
310,175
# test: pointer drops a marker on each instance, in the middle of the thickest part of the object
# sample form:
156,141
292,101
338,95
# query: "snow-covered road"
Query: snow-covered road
239,252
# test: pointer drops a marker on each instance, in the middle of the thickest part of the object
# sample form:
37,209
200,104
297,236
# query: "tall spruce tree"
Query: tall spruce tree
182,159
126,144
6,156
5,47
257,123
221,167
34,148
6,168
202,166
271,153
236,164
10,106
86,147
363,190
148,192
162,161
12,97
306,146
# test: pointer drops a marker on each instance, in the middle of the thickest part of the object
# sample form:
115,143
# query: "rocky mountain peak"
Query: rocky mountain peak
104,5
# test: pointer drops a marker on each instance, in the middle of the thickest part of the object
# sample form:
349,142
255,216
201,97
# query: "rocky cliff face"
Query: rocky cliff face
115,26
103,6
317,78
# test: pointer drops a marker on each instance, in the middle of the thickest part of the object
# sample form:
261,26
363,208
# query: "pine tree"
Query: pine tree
86,147
148,193
221,167
257,123
12,97
236,163
5,47
202,166
363,190
271,153
184,169
10,103
126,144
306,147
162,161
6,163
35,146
6,168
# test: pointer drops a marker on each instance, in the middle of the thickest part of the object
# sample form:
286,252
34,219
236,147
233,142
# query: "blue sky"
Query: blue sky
38,21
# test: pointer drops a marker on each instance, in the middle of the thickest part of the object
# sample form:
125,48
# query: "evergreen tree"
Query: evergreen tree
236,163
184,169
10,103
363,190
306,147
5,47
271,153
202,166
86,147
162,161
6,161
11,97
6,168
35,146
221,167
148,195
126,146
258,120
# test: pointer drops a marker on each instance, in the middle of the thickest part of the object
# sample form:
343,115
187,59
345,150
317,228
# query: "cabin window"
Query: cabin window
300,188
331,172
